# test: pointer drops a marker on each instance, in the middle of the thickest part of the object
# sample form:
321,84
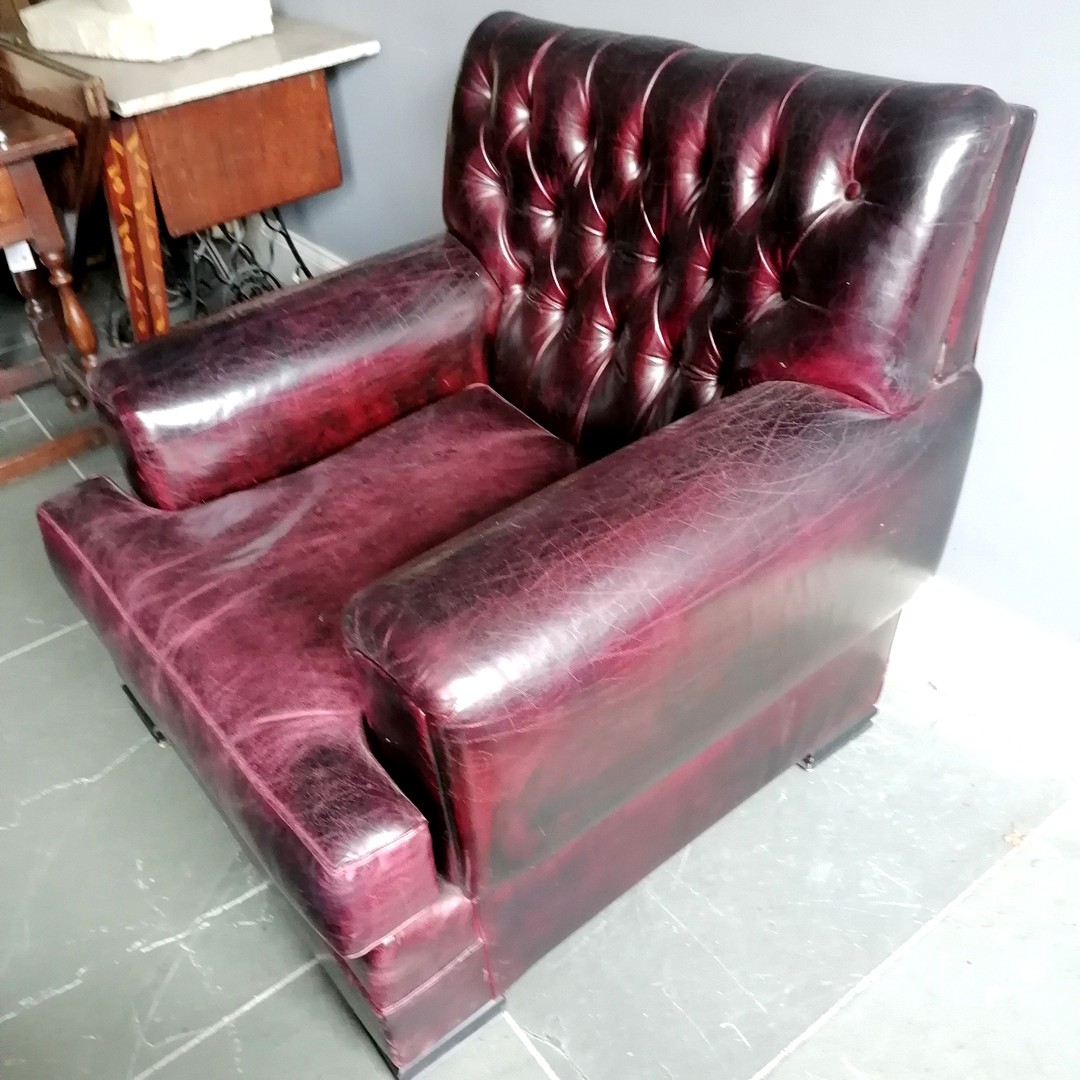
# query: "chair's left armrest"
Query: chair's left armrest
278,383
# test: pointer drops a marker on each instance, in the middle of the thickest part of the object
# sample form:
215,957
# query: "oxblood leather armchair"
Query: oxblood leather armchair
476,579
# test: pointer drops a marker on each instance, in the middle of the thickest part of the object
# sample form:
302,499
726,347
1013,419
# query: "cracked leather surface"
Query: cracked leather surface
555,661
269,386
669,224
747,292
226,620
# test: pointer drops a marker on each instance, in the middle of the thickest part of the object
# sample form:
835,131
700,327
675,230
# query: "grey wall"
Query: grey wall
1016,535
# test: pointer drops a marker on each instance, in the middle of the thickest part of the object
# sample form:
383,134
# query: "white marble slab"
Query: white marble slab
294,48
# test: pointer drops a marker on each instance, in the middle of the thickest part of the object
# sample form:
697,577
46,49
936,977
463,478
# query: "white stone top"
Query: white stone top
294,48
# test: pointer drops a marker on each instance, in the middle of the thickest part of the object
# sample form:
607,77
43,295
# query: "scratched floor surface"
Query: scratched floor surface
873,919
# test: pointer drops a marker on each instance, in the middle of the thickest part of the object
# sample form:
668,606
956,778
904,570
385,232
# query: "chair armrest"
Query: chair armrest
314,806
289,378
561,657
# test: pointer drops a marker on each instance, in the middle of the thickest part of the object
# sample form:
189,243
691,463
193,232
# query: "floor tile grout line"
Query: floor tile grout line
523,1035
228,1018
22,649
6,425
872,976
33,416
200,920
37,420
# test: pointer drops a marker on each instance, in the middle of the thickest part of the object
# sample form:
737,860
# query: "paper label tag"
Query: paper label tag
20,258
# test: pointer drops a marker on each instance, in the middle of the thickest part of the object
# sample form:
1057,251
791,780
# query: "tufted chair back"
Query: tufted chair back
669,224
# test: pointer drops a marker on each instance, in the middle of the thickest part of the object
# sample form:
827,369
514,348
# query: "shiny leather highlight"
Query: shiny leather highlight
670,224
277,383
460,674
226,621
673,589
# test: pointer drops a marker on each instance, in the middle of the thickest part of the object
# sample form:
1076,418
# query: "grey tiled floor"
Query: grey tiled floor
906,910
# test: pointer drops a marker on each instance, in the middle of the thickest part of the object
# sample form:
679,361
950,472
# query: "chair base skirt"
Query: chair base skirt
413,1033
479,1019
410,1033
812,761
529,914
147,720
520,921
464,1030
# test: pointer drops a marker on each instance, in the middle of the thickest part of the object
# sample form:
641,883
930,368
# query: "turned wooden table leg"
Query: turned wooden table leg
40,304
48,241
79,326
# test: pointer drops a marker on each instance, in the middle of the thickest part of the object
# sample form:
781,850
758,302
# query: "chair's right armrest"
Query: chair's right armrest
278,383
542,669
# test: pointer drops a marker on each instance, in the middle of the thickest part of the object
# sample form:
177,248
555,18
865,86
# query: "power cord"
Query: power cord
224,271
279,228
211,270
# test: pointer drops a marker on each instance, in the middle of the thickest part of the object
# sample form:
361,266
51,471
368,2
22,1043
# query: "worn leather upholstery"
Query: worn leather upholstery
521,923
282,381
460,674
226,620
669,224
673,589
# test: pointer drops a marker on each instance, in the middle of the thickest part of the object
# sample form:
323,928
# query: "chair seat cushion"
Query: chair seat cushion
225,619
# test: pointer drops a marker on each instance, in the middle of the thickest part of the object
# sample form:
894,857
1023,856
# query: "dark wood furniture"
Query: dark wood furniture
217,136
50,452
205,140
228,156
51,89
27,217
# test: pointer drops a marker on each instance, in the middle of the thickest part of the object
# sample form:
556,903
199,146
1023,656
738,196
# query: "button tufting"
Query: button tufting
636,158
705,164
686,198
714,268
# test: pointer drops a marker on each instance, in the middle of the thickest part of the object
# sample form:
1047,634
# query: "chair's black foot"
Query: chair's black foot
455,1038
818,756
143,715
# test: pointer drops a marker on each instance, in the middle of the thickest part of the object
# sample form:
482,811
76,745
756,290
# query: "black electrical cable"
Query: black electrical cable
223,271
193,277
283,231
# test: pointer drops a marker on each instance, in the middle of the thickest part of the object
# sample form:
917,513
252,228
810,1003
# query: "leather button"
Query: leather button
745,154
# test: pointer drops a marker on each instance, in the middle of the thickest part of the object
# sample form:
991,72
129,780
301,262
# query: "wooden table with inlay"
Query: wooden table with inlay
214,137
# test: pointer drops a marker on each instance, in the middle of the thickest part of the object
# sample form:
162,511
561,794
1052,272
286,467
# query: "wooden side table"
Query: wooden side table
28,226
217,136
